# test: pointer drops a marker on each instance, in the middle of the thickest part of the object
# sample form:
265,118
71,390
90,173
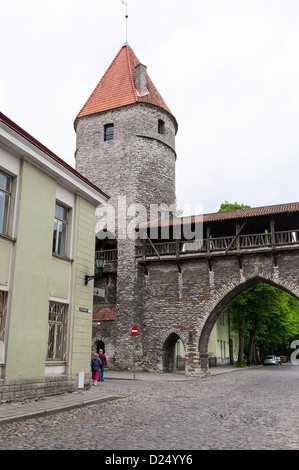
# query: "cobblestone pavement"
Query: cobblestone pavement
252,409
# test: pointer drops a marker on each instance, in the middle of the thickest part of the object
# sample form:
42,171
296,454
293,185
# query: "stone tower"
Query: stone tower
126,145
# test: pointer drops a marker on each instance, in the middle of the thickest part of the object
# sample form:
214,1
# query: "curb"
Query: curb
57,409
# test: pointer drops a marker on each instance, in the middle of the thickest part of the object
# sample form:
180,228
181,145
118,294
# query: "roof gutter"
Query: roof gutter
12,125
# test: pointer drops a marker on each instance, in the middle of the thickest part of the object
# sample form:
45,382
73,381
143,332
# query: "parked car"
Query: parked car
283,358
270,360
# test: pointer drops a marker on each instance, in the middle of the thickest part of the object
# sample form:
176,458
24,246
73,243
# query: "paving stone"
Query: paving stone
252,409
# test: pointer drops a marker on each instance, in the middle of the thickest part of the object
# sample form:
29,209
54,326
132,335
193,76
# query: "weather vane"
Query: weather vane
126,4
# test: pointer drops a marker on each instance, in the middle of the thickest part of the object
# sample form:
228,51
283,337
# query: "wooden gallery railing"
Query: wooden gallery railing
109,255
219,245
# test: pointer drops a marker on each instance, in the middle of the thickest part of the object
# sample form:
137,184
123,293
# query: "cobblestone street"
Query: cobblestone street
249,409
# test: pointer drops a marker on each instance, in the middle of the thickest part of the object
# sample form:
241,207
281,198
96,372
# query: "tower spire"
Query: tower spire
118,86
125,2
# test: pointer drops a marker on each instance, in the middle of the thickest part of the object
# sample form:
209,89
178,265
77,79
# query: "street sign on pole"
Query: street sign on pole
134,332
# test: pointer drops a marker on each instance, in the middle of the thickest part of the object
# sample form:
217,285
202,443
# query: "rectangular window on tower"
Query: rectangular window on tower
161,126
108,132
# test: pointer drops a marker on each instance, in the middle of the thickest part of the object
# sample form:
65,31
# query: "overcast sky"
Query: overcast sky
227,69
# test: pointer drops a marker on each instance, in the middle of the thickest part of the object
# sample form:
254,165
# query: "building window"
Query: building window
3,308
57,331
108,132
161,126
60,230
5,197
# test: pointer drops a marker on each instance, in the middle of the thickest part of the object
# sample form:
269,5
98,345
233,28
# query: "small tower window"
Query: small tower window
161,126
108,132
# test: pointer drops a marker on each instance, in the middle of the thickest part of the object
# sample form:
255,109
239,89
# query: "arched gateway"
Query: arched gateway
188,289
227,298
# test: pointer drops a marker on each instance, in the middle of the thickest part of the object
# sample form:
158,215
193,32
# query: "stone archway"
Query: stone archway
100,345
222,303
169,353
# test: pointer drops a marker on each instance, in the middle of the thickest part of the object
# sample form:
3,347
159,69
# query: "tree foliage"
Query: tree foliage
227,206
271,321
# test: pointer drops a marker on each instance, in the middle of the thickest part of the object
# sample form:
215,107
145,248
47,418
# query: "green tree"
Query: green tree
175,210
240,319
227,206
266,318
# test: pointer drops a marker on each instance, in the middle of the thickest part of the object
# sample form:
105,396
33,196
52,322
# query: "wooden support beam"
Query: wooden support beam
145,268
153,246
272,225
209,259
236,236
177,254
208,240
240,262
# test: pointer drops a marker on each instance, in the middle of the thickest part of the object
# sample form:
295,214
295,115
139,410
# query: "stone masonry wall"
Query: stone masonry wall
32,389
189,303
139,163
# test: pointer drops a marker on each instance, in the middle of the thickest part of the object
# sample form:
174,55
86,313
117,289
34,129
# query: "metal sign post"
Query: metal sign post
134,332
134,357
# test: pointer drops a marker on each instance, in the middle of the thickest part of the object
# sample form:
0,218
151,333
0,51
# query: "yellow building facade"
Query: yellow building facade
223,343
47,244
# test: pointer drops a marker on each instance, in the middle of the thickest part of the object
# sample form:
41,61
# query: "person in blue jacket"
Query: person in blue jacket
95,365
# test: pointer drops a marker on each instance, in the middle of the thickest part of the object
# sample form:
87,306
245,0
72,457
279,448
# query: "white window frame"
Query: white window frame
56,249
6,214
57,331
3,317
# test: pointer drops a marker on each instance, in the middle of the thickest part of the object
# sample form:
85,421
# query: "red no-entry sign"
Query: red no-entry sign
134,331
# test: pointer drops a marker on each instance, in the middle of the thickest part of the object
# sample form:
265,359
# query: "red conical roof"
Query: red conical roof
117,87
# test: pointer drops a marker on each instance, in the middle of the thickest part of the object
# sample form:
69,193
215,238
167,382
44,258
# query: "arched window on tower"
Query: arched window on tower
108,132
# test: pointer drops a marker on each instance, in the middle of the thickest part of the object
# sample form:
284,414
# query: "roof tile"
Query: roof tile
230,215
101,313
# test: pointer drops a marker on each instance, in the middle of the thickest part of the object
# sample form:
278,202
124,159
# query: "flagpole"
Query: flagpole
126,4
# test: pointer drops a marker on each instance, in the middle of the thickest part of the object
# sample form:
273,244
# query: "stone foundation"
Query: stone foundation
32,389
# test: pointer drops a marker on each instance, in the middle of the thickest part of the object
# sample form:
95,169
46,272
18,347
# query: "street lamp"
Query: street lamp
99,266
